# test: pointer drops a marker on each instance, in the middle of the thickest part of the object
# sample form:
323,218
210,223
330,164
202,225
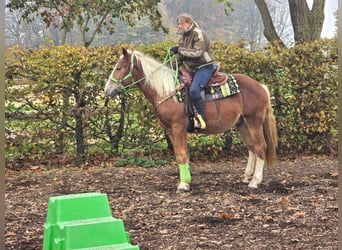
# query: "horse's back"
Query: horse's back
255,95
246,82
250,86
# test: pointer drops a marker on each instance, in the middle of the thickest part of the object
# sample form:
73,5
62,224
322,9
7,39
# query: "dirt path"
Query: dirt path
294,208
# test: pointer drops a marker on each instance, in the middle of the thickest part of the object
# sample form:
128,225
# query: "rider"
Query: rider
195,54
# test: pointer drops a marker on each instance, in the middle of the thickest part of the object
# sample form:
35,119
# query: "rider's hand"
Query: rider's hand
174,49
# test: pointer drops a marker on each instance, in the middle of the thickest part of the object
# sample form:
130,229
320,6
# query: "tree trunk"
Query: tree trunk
80,149
269,31
115,139
307,25
78,115
64,34
60,144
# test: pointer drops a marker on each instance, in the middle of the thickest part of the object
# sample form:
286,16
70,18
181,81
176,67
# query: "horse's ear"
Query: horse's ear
124,52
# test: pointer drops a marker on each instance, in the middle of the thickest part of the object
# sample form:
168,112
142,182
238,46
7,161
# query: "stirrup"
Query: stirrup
199,122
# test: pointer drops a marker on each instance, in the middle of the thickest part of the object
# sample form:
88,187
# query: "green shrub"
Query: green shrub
55,102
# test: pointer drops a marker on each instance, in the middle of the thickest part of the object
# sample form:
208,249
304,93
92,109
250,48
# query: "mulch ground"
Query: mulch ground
294,208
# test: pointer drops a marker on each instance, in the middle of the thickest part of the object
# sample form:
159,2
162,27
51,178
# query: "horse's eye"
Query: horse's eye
118,68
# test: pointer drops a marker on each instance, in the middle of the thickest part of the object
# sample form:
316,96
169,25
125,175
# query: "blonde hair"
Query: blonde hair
157,75
185,18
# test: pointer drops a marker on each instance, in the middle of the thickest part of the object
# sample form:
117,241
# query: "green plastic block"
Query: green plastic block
77,207
125,246
83,221
90,233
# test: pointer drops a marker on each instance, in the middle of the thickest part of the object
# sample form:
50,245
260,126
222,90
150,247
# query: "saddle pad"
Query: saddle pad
230,88
214,92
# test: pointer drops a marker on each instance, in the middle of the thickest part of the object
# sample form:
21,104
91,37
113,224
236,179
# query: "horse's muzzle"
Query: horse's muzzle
111,91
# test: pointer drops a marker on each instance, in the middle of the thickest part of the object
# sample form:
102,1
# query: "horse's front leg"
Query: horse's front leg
179,143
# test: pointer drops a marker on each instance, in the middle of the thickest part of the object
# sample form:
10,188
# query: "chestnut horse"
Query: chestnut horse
250,111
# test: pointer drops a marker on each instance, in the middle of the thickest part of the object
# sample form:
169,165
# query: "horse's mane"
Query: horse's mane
158,76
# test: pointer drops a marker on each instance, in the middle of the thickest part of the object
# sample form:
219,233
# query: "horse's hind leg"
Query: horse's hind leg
255,126
250,167
252,134
249,171
257,177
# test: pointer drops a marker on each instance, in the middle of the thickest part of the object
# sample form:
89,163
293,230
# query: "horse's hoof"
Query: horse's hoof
246,179
183,187
252,184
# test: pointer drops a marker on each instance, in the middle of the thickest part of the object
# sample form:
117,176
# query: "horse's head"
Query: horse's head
121,76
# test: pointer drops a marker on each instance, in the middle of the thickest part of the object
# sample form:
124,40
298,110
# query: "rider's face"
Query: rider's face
182,26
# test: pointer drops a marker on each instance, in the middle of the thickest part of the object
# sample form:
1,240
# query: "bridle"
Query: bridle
129,75
133,82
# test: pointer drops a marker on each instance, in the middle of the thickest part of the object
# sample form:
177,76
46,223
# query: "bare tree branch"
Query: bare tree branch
269,30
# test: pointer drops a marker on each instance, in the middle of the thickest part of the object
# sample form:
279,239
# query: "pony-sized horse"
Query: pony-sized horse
250,111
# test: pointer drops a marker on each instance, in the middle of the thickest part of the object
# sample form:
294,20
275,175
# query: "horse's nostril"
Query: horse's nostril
111,92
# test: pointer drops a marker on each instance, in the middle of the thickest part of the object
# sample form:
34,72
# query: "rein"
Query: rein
170,95
167,59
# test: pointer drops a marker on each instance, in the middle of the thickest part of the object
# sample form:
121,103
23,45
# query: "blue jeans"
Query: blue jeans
200,79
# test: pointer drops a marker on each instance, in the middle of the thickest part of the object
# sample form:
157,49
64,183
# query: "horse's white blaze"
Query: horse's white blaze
108,81
257,177
250,167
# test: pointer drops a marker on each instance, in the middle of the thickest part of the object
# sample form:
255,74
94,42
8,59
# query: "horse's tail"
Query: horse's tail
270,133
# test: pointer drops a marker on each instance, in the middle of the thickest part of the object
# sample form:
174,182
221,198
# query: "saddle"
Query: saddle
218,78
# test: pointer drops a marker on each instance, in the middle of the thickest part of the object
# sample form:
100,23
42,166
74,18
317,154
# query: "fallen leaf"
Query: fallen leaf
299,214
226,216
268,218
10,234
36,167
283,200
334,174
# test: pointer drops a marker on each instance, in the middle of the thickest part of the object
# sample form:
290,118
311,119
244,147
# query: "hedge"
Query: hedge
55,102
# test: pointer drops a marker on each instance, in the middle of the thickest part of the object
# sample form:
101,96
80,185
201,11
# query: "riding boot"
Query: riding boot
199,104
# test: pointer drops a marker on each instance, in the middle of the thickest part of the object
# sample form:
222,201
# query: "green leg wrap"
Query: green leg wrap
184,172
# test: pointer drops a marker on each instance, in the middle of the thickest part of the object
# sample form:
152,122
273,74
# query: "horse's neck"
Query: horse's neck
149,93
